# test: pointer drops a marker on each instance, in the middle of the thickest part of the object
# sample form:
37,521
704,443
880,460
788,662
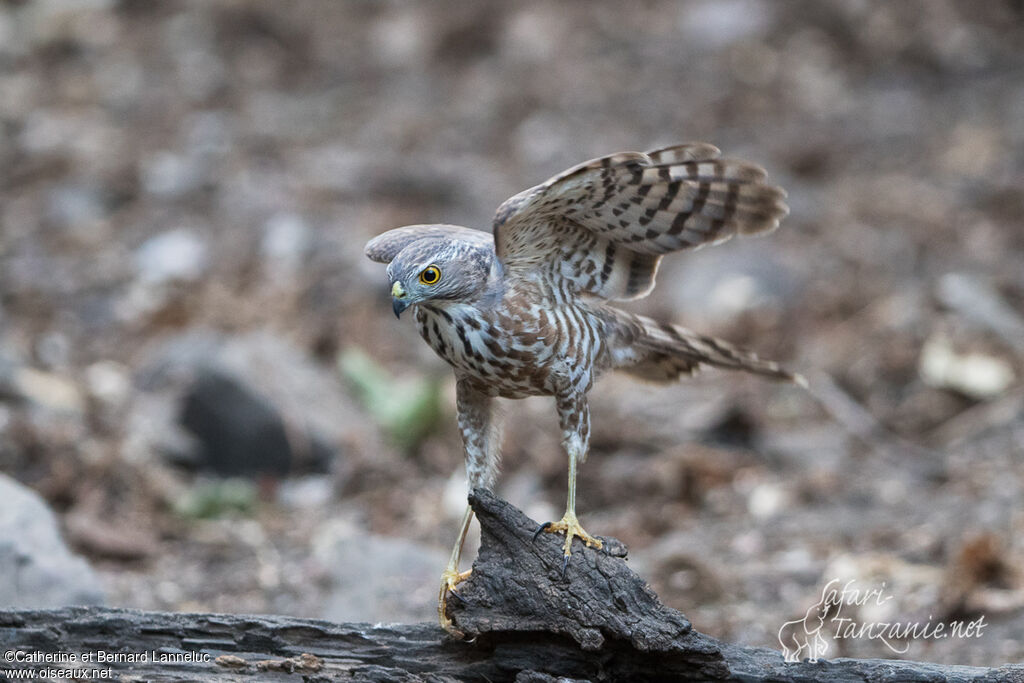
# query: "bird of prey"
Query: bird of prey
524,311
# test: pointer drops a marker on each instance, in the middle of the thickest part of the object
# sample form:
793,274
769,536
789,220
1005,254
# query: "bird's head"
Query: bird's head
436,269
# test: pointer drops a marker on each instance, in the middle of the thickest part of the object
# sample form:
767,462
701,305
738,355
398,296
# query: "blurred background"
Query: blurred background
207,405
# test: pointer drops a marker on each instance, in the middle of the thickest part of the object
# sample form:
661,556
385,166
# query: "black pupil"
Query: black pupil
430,275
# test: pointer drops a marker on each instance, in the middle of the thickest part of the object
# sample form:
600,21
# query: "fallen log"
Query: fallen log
524,620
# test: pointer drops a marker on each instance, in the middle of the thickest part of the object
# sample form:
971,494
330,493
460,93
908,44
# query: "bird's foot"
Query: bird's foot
571,526
449,580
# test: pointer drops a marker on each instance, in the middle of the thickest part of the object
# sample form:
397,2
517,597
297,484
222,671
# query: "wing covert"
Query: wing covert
605,223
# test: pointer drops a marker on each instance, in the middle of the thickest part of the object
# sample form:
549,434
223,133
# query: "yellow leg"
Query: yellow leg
569,523
452,577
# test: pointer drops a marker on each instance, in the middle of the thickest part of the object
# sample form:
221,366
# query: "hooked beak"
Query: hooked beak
398,300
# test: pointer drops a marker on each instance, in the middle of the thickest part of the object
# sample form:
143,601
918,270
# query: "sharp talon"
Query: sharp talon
449,580
571,526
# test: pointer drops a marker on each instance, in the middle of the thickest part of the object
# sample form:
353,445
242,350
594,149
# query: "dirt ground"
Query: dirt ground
180,176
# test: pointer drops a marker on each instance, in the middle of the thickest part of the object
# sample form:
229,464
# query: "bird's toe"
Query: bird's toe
449,580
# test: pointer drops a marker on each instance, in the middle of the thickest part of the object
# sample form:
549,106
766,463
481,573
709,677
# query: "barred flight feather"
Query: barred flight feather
616,215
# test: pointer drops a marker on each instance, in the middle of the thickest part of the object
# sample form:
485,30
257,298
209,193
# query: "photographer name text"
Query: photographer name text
104,657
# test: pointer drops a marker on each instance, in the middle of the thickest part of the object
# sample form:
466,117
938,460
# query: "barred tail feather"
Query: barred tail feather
661,352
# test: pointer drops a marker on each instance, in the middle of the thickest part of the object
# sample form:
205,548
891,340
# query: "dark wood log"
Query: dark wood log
523,619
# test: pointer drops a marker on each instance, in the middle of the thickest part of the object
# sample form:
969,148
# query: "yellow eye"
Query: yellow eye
430,275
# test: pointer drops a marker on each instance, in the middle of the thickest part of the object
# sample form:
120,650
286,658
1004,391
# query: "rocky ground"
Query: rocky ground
201,375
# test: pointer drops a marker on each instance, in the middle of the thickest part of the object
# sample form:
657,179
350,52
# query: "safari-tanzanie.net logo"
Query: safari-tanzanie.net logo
807,638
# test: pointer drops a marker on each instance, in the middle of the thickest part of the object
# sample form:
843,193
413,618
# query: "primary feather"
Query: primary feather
603,225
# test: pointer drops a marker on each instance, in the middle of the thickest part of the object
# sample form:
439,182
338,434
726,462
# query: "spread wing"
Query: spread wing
384,247
605,224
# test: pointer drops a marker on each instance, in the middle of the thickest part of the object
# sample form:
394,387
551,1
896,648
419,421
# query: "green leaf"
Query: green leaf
407,410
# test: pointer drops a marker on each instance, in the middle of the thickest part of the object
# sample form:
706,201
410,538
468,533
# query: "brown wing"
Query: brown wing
384,247
605,224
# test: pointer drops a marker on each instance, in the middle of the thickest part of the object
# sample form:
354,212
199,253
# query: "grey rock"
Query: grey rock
53,350
38,569
208,134
77,210
52,393
317,415
169,175
718,23
50,21
377,578
286,241
189,39
178,254
239,433
306,493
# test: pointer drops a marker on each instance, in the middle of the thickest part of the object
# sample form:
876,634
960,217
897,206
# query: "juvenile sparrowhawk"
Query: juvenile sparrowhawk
524,311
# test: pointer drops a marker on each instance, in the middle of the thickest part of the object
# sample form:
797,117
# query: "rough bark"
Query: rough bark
524,621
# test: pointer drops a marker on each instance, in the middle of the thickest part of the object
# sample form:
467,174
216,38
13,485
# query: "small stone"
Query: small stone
49,21
400,39
239,432
165,174
48,390
376,578
207,133
315,491
108,381
286,241
178,254
231,662
717,23
78,211
107,538
972,374
38,569
319,416
767,500
190,38
53,350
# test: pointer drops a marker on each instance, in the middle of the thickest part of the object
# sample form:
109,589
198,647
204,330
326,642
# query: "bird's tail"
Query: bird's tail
661,352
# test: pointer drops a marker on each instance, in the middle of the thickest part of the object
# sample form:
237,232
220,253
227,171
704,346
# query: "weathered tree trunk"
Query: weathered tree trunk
523,619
